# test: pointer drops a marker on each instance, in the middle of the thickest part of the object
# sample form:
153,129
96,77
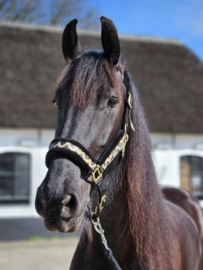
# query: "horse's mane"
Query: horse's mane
147,226
148,222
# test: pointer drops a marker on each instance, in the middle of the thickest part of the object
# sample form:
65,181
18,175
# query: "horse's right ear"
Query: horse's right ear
70,44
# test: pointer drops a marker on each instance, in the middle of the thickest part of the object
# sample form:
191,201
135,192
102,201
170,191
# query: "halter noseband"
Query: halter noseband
80,156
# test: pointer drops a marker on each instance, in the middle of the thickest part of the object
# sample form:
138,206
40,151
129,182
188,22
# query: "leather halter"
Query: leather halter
79,155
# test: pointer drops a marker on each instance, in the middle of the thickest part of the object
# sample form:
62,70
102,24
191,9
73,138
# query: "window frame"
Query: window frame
15,200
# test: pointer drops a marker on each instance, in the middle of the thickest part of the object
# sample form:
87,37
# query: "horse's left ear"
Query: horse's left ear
110,41
71,47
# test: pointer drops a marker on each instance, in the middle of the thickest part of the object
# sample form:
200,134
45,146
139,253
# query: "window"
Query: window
14,178
192,174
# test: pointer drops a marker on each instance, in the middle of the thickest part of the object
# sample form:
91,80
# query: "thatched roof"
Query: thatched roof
168,75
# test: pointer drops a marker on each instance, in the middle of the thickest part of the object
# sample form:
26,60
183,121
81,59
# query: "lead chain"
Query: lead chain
98,229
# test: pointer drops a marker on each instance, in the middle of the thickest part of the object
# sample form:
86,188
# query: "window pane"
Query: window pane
6,186
196,182
196,161
21,163
22,186
14,177
6,162
185,173
192,174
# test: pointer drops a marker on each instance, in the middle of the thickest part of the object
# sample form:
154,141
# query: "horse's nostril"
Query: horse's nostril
69,206
67,200
70,201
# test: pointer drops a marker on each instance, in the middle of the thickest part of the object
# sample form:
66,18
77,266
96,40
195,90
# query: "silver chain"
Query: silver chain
98,228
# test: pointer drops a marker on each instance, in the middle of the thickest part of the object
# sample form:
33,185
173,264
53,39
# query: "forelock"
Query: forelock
88,74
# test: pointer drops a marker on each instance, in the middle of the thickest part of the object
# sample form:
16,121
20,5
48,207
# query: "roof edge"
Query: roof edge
58,29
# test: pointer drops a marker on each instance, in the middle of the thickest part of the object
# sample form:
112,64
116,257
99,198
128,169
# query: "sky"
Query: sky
176,19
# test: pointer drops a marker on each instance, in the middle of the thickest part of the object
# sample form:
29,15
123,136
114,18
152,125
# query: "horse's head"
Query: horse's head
90,99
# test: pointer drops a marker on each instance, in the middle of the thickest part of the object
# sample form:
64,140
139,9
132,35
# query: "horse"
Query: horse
145,226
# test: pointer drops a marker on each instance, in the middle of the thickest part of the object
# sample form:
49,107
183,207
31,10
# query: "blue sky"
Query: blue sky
177,19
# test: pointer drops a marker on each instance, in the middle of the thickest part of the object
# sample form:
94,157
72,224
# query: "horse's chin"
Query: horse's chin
64,226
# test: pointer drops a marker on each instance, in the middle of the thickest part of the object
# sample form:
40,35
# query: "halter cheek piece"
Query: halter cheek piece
80,156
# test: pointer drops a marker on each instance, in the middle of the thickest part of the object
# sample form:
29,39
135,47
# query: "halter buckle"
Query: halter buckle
97,174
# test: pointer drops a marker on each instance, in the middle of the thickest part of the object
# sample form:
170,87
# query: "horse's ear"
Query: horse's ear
70,44
110,41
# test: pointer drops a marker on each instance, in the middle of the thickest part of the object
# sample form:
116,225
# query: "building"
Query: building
168,75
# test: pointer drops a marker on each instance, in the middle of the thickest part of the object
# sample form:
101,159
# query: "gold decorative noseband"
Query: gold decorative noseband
77,150
94,166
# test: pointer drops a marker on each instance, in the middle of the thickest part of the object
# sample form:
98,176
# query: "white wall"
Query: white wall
176,141
17,137
37,174
191,141
43,137
168,149
47,135
38,141
167,164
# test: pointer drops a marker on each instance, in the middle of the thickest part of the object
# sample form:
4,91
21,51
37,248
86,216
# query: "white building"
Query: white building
168,75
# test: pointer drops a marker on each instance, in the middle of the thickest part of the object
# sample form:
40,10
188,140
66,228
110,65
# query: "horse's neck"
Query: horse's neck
91,254
114,220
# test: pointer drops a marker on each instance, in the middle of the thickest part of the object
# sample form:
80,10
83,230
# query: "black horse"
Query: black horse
144,230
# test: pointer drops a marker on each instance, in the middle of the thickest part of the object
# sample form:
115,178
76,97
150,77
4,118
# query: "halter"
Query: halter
80,156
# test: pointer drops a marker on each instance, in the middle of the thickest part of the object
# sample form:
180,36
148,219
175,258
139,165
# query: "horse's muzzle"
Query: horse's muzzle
64,217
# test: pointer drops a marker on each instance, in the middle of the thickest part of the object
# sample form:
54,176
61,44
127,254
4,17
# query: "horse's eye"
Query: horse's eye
112,102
